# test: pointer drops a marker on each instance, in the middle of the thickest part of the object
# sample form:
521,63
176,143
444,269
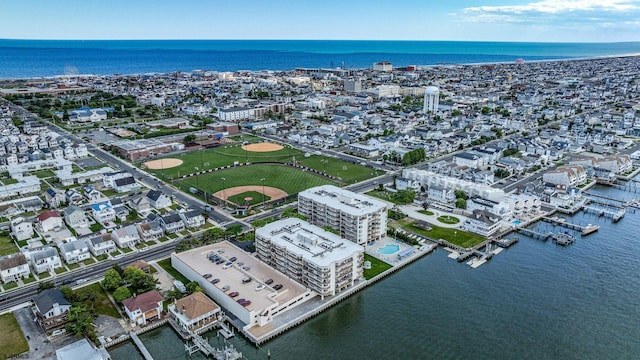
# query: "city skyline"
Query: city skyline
464,20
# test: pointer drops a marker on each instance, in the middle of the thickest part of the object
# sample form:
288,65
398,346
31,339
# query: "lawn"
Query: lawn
426,212
42,174
256,198
73,266
455,236
377,267
101,304
166,265
288,179
226,156
9,181
12,340
448,219
10,285
7,246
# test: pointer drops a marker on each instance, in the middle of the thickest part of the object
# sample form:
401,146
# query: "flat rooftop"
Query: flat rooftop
259,272
346,200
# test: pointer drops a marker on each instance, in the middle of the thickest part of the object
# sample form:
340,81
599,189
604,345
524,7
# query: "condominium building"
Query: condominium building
358,218
318,259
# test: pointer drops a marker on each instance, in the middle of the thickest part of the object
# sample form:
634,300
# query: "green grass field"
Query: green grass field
377,267
291,180
7,246
455,236
12,340
166,265
256,198
101,303
226,156
448,219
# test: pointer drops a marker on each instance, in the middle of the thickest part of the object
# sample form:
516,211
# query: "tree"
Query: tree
80,321
461,195
118,268
121,293
139,280
425,205
189,139
45,285
461,203
112,280
192,287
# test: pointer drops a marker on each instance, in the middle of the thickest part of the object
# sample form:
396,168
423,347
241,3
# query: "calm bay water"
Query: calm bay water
43,58
535,300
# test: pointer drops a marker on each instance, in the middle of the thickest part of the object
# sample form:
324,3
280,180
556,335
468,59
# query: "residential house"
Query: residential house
94,195
150,231
14,267
75,217
50,220
144,307
194,311
126,236
441,194
140,203
483,223
46,259
571,175
103,212
54,197
51,308
74,197
108,179
101,244
75,251
126,184
21,228
193,219
172,223
158,199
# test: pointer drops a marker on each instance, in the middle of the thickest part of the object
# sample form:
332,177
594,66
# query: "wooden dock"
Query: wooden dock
143,350
535,234
585,230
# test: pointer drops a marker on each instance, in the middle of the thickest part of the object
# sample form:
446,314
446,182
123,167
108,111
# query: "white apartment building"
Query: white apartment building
358,218
572,175
431,99
318,259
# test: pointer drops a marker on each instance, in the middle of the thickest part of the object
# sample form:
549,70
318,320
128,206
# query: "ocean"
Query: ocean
46,58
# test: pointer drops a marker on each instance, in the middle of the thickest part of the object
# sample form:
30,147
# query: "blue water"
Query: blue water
43,58
517,222
389,249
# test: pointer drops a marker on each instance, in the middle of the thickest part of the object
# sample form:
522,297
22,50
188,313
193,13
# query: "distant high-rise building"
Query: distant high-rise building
353,85
382,66
431,99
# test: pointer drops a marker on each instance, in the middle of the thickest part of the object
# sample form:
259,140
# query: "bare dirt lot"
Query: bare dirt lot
273,193
163,164
262,147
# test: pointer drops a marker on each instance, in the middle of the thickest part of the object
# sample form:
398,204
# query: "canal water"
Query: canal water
535,300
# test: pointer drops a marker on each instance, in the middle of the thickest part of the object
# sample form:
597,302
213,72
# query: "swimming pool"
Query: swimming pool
389,249
517,222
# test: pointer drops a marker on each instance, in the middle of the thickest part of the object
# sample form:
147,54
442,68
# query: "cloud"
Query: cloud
553,11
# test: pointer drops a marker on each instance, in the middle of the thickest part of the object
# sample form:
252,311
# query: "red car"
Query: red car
233,294
244,302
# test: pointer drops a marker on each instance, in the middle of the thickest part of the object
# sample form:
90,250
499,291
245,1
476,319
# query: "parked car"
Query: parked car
233,258
245,303
246,268
277,287
240,263
206,276
215,281
226,288
269,282
234,294
246,280
260,287
227,265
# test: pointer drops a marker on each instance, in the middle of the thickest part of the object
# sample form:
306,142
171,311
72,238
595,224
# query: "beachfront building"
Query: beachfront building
194,311
358,218
144,307
318,259
484,223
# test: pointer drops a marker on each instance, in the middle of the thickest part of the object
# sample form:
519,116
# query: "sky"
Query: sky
468,20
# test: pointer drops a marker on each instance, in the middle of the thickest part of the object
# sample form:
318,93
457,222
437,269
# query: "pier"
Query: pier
563,239
585,230
143,350
505,243
194,342
535,234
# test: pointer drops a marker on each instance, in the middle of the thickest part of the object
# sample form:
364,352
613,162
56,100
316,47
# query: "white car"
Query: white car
260,287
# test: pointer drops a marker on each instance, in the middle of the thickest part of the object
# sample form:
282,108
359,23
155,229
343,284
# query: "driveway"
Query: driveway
39,345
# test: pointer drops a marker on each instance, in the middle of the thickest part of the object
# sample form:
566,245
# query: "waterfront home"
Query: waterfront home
570,175
75,251
51,308
75,217
193,218
150,231
158,199
126,236
194,311
21,228
46,259
14,267
144,307
50,220
172,223
101,244
483,223
103,212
